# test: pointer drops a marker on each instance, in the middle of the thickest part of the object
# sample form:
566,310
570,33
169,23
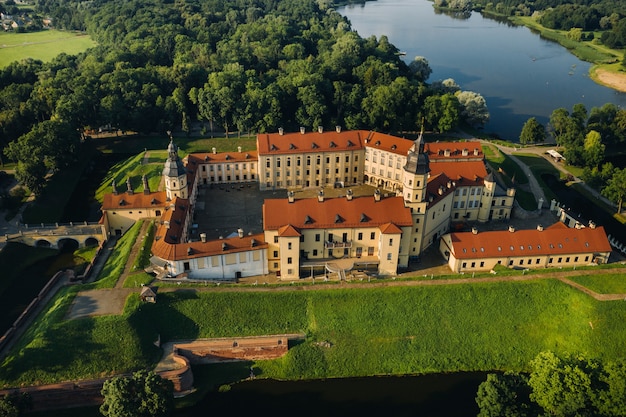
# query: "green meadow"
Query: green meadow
350,332
43,45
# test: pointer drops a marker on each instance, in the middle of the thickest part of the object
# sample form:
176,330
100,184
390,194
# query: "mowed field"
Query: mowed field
43,45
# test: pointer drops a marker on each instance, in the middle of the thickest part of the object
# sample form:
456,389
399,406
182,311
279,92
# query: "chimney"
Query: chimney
540,228
474,231
349,195
320,129
129,187
446,152
240,232
475,151
320,196
377,195
252,242
113,187
146,186
465,152
592,225
511,229
281,131
224,246
449,184
189,251
441,190
214,150
338,129
203,237
291,196
239,149
302,130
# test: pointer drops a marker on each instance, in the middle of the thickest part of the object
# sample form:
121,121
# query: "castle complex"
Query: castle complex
421,191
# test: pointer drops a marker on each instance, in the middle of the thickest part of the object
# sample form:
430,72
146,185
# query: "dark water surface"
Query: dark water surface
437,395
520,74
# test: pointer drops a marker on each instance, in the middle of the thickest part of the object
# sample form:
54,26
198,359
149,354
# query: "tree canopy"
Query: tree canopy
144,394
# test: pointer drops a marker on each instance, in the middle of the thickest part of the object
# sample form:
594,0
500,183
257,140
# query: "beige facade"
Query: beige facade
556,246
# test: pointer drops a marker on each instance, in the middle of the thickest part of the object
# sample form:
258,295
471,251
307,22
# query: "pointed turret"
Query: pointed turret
174,173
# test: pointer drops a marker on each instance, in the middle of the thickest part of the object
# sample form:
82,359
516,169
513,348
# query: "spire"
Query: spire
417,159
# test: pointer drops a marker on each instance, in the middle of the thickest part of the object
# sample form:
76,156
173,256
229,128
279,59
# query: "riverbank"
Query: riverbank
611,79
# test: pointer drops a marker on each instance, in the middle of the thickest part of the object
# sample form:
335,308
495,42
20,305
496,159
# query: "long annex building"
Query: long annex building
421,190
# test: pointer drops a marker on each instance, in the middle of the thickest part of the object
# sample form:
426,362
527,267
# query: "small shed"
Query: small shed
148,294
555,155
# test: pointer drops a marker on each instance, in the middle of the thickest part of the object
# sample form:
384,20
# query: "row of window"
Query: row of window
229,259
308,172
331,237
318,160
219,167
529,262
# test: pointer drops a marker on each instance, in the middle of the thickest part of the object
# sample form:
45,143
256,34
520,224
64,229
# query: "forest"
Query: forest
244,66
603,18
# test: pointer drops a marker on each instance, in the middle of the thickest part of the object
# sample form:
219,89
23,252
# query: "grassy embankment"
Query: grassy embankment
371,331
43,45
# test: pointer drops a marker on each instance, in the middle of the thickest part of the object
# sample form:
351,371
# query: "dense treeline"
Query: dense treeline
245,65
585,137
556,386
605,16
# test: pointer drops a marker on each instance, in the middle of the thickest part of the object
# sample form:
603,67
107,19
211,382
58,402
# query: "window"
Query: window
267,163
275,239
314,252
288,162
275,264
347,158
360,236
373,235
389,256
390,242
289,245
275,254
317,237
290,260
464,264
278,163
473,264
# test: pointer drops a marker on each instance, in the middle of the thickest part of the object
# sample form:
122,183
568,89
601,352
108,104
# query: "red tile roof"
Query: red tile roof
127,201
309,213
389,143
292,143
557,239
221,157
436,150
465,170
288,231
390,229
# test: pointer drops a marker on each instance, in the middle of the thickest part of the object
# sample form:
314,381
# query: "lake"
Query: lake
520,74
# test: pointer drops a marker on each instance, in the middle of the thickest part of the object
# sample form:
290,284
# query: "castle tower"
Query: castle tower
415,174
175,174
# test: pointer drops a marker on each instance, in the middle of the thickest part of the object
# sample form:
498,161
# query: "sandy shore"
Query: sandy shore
615,80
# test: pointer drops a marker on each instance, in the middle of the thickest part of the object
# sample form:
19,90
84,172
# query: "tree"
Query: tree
562,387
504,395
144,394
532,132
474,107
594,149
421,68
615,189
14,404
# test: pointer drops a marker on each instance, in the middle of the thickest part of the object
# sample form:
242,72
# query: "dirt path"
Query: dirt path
133,254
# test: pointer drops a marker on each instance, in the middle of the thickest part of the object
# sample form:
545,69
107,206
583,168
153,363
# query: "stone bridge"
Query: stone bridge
59,235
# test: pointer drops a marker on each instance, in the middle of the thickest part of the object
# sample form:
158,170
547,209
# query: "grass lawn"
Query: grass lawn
606,284
114,266
43,45
399,330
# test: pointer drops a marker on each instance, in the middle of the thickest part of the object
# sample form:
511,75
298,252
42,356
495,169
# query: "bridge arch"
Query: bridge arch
67,244
43,243
91,241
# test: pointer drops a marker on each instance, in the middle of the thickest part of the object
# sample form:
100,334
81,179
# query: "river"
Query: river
519,74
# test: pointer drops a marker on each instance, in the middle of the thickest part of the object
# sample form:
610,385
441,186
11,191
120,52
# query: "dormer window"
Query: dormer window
292,146
338,218
364,218
332,144
273,147
308,219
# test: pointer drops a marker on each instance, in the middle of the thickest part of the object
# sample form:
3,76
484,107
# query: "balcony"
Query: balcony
337,245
